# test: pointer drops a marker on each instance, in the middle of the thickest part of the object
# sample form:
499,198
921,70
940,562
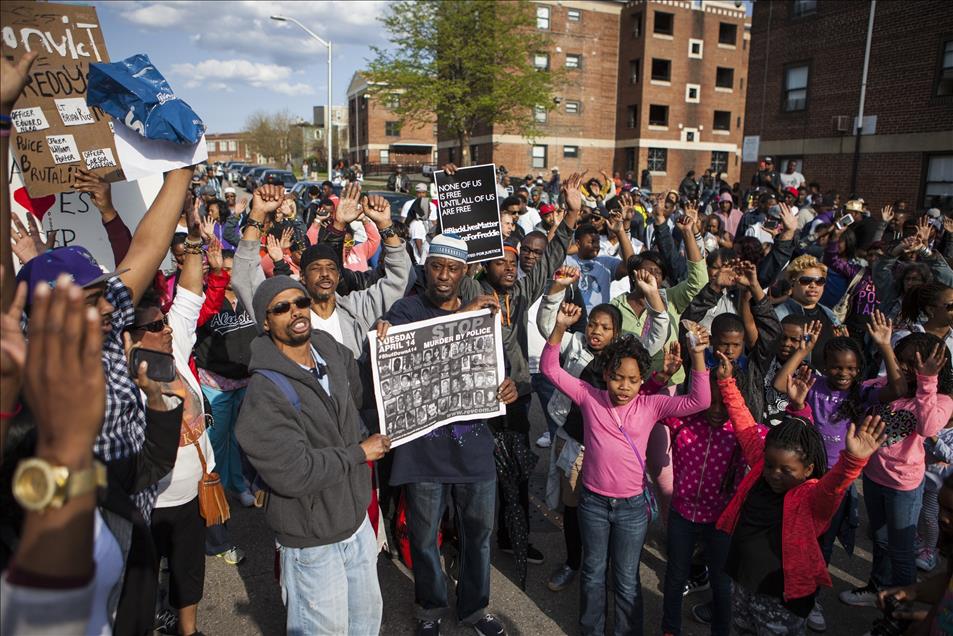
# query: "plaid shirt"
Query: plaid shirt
125,424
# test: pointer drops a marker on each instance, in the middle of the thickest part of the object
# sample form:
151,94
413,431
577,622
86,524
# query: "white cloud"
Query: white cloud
220,74
155,15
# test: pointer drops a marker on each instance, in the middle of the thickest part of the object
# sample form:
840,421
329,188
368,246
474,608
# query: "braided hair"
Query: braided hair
924,343
850,407
800,436
628,346
918,297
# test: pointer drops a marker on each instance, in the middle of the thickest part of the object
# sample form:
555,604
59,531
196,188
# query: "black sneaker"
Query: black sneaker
489,625
167,622
697,583
428,628
532,554
702,613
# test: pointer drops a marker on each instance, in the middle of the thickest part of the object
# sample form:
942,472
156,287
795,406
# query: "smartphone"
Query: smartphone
844,221
161,365
771,224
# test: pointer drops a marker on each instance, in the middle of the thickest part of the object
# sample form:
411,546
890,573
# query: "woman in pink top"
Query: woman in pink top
614,504
893,478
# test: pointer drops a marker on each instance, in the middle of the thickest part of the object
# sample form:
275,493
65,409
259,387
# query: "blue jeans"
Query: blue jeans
228,459
893,516
333,589
473,505
544,391
682,536
612,530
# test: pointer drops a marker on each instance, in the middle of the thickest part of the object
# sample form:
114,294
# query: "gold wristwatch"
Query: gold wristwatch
39,485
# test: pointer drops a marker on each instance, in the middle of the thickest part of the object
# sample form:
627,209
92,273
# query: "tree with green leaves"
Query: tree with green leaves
467,65
274,135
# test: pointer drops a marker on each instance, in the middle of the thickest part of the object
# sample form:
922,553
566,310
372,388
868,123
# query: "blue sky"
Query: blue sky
228,59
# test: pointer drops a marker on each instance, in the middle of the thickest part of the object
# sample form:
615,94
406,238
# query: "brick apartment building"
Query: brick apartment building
683,68
806,61
227,147
375,135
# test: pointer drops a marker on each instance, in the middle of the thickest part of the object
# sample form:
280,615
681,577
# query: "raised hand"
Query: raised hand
566,276
788,219
568,315
286,235
799,384
377,209
615,224
348,209
27,243
726,276
274,249
863,441
887,213
449,168
572,191
933,362
193,219
746,273
672,360
266,199
63,373
812,331
645,282
725,369
700,334
207,228
923,230
13,77
214,254
99,190
880,329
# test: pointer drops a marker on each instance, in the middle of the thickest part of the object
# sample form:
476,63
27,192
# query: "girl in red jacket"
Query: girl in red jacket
782,506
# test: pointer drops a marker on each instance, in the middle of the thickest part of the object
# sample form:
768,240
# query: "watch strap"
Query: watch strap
86,481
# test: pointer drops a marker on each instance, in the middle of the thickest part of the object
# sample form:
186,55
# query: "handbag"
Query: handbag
212,503
840,309
650,499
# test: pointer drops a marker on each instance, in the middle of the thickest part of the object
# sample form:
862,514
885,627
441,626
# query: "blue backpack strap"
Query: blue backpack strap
283,385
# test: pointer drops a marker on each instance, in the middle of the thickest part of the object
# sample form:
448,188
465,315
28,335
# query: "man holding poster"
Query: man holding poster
454,461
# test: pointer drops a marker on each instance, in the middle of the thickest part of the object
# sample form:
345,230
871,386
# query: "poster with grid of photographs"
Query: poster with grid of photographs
435,372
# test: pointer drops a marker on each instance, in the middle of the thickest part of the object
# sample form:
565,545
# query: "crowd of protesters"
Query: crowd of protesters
724,363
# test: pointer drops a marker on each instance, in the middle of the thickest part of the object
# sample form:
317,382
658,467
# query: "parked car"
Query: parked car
253,178
396,200
278,177
300,189
232,168
243,173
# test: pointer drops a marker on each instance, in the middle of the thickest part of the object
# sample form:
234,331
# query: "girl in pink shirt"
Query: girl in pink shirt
893,478
614,505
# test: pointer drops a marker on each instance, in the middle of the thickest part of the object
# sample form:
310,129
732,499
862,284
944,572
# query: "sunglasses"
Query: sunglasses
155,326
807,280
302,302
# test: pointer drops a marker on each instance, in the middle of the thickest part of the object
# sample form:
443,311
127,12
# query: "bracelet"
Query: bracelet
192,249
925,252
190,243
5,120
4,132
256,224
12,414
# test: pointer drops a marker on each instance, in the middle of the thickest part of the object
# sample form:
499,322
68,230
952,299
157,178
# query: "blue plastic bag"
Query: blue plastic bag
135,93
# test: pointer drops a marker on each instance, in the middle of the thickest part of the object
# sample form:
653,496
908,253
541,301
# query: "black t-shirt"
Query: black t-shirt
754,557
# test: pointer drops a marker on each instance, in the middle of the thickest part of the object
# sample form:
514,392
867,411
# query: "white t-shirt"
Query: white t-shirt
534,340
793,180
419,231
529,219
331,325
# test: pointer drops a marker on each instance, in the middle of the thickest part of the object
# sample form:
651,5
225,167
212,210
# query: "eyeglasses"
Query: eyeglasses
302,302
820,281
152,327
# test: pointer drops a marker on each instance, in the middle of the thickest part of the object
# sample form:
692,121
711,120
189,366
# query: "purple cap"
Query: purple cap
74,260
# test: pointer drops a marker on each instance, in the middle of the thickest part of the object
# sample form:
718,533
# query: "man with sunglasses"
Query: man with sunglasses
300,429
808,276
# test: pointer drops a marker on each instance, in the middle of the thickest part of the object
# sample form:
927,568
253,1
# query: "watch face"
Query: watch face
33,487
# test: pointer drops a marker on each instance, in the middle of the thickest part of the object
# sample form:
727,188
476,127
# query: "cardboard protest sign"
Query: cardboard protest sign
54,132
435,372
467,206
74,218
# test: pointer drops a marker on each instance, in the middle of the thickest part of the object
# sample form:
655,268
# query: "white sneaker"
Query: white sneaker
544,440
815,620
865,596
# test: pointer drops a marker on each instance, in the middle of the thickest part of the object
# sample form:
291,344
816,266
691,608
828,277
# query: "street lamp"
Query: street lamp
327,116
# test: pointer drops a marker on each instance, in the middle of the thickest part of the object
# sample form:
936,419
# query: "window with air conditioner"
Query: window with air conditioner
573,60
573,107
795,88
664,23
657,159
727,33
539,156
570,152
722,120
658,115
539,114
724,77
542,18
574,15
661,70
